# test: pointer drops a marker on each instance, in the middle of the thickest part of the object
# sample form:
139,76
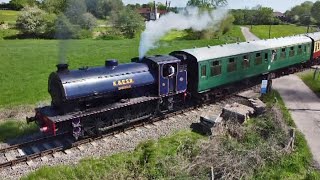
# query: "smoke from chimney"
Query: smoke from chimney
190,18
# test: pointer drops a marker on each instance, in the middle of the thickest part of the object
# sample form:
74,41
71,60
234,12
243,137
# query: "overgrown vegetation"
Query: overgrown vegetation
298,163
308,79
262,31
150,160
257,149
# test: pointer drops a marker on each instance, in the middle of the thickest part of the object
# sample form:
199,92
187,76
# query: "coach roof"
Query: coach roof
315,36
219,51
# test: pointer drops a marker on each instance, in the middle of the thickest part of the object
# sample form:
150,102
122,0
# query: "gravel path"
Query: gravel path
248,35
304,107
123,142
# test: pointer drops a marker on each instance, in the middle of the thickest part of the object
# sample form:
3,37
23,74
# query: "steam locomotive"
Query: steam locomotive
92,100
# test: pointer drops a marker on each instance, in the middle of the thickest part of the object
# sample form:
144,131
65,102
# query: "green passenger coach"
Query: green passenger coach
215,66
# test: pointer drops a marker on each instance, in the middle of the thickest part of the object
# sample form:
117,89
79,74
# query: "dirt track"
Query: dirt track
248,35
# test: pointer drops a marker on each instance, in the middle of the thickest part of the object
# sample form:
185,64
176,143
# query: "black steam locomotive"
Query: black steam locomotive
94,100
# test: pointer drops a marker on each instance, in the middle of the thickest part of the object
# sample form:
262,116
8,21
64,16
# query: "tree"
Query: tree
35,22
300,13
19,4
211,4
315,11
75,9
128,21
103,8
106,7
264,15
64,29
54,6
88,21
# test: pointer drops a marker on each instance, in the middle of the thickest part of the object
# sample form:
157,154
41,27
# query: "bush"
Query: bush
111,34
222,28
83,34
34,22
88,21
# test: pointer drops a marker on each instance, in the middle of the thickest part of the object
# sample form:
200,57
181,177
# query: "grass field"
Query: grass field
262,31
12,129
8,16
26,64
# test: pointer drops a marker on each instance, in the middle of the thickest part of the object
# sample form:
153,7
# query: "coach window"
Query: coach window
283,53
266,57
274,55
245,62
203,71
215,68
291,53
232,65
258,59
300,49
305,49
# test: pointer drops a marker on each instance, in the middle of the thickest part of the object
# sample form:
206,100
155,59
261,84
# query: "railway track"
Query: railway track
27,151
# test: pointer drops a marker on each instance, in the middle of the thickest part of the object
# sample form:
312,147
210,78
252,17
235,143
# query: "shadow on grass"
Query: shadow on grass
13,128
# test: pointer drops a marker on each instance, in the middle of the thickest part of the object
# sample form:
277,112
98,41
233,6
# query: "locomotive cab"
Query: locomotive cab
171,74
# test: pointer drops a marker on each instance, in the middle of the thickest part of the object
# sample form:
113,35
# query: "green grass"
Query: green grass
145,161
26,64
235,32
7,33
174,35
13,128
262,31
296,165
8,15
307,78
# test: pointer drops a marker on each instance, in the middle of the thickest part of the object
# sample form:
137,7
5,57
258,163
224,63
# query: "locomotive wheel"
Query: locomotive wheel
98,125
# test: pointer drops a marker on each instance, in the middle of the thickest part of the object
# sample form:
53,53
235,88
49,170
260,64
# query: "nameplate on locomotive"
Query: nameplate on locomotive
123,84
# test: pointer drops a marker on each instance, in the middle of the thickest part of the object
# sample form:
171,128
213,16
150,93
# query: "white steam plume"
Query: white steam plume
191,18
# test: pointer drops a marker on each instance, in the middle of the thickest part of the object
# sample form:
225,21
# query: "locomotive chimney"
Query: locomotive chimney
62,68
155,10
111,63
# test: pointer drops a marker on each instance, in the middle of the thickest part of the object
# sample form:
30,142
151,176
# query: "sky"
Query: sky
277,5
